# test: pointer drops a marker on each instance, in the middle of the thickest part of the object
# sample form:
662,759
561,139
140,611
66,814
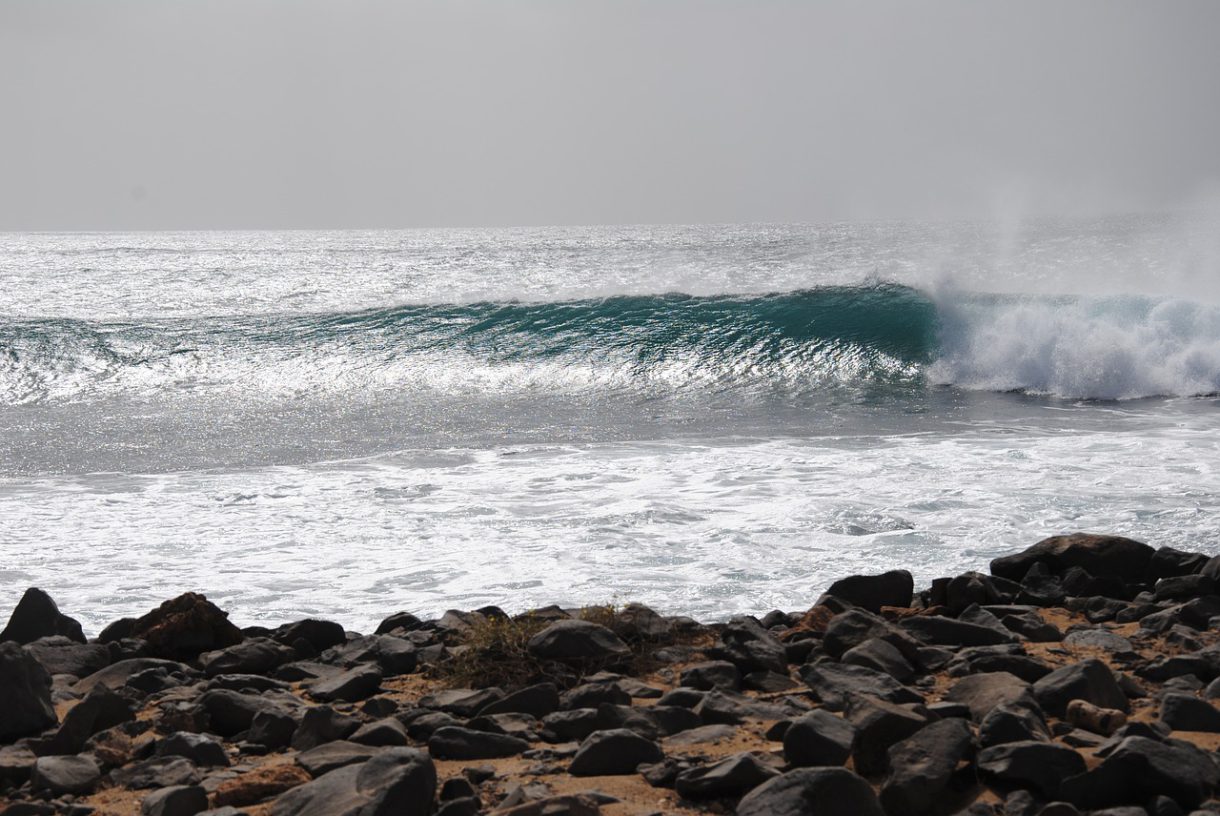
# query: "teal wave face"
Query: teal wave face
794,340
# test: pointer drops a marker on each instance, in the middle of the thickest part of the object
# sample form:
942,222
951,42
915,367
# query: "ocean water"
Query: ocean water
711,420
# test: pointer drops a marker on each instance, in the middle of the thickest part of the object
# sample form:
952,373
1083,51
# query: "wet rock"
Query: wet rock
393,655
36,616
983,692
879,725
251,656
65,774
1089,680
1185,712
731,776
833,684
818,738
806,791
180,800
101,709
185,627
576,640
260,785
62,655
537,700
1100,555
201,749
1041,766
453,742
350,686
922,766
714,674
400,780
25,688
614,752
871,592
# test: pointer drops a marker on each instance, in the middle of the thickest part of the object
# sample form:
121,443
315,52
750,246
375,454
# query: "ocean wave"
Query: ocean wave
832,337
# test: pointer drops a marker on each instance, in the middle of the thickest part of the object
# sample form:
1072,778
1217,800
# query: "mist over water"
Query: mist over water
708,419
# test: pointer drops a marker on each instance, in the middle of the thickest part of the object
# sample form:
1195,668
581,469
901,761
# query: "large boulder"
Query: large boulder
983,692
1099,555
879,725
101,709
25,688
922,766
396,781
37,616
818,739
1139,769
62,655
871,592
251,656
65,774
812,792
617,751
731,776
1088,680
1034,764
833,684
577,640
185,627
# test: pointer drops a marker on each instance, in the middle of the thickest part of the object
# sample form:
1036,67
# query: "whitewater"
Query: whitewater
710,419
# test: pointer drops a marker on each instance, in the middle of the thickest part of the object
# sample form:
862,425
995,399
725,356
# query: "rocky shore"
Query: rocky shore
1077,677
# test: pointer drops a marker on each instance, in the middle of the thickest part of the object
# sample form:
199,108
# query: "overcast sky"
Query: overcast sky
397,113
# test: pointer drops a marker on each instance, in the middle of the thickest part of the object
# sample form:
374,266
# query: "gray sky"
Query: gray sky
398,113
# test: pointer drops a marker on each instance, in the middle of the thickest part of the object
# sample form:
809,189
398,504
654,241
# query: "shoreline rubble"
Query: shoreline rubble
1078,677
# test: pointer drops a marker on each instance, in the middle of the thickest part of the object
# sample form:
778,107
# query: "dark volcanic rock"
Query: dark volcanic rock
879,725
881,656
818,738
812,792
397,781
399,620
613,753
117,674
322,724
65,774
180,800
1185,712
727,707
1099,555
855,626
968,589
387,731
1089,680
751,647
1032,627
942,631
1033,764
330,756
100,710
833,684
62,655
731,776
872,592
576,640
185,627
158,772
36,616
922,766
537,700
350,686
464,743
1138,769
251,656
319,634
25,688
1167,562
1013,722
983,692
712,674
272,729
198,748
231,712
